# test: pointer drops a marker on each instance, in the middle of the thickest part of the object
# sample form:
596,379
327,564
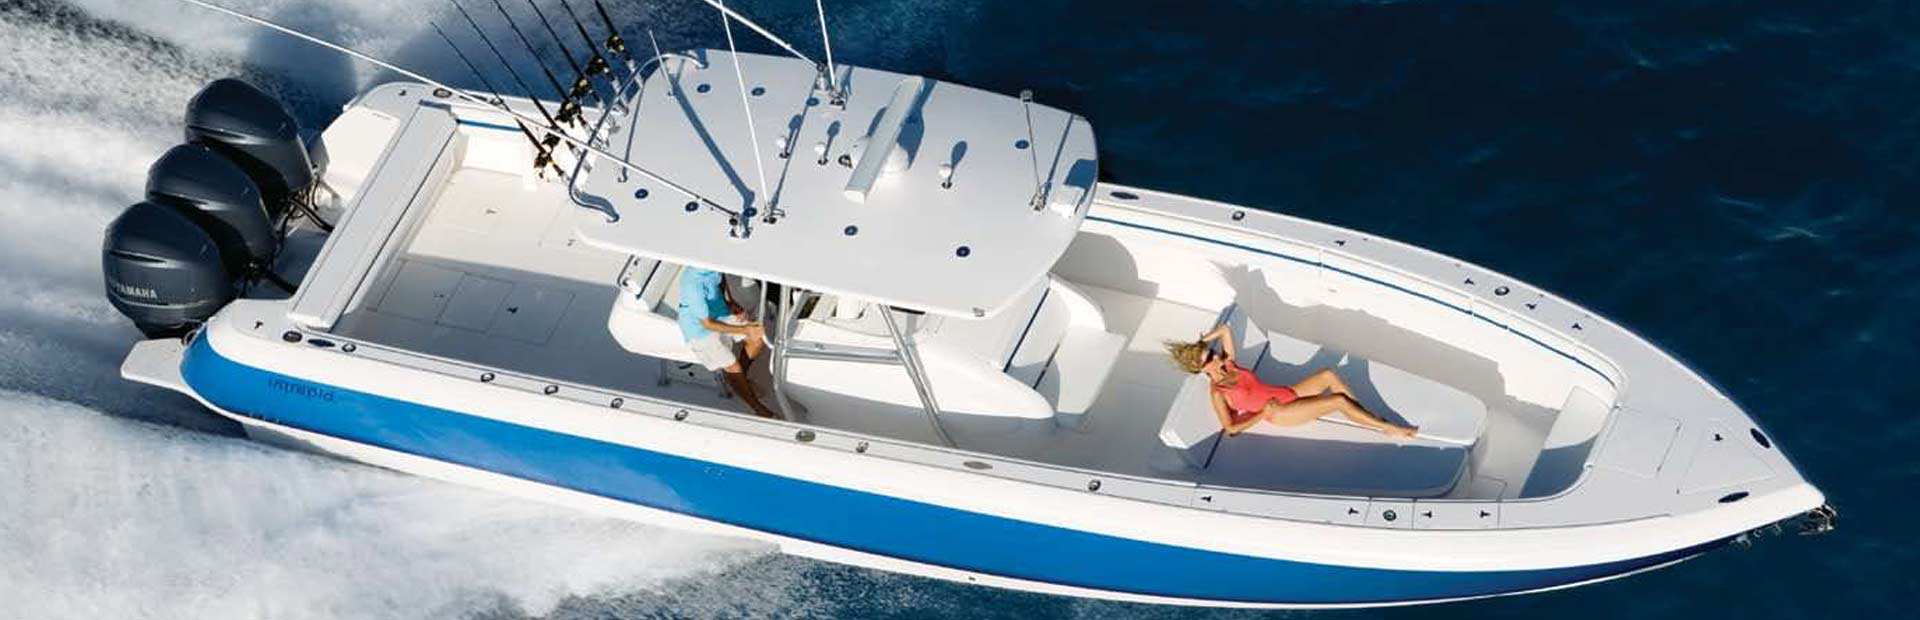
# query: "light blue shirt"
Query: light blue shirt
700,298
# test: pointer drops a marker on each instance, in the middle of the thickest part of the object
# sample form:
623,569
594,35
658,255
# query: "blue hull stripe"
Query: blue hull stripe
836,516
486,125
1314,263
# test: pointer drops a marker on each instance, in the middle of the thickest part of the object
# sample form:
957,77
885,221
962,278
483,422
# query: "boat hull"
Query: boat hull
813,519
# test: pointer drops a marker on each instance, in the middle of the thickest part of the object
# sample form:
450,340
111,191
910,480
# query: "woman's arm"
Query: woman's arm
726,292
1224,335
1225,414
742,329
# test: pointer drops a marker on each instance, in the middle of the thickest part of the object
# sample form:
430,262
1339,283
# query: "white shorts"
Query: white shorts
715,350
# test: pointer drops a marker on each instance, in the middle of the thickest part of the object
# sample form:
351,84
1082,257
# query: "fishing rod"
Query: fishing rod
569,109
616,160
543,153
525,90
581,84
614,43
598,64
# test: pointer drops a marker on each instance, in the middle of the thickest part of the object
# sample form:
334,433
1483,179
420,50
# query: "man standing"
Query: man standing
712,322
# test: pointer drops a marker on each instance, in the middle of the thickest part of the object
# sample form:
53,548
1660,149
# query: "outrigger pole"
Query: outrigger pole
833,86
464,95
763,31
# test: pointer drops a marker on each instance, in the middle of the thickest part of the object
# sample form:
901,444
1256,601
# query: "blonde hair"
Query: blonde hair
1189,356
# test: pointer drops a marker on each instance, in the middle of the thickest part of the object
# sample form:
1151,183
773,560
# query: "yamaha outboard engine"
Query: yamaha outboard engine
251,128
215,212
163,270
222,199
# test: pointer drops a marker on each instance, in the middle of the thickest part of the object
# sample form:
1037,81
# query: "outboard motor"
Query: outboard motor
215,212
163,270
222,199
251,128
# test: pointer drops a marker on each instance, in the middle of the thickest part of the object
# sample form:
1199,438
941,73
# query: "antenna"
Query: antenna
569,109
543,153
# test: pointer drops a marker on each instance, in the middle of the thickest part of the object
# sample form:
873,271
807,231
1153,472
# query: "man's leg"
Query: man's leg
756,342
716,352
737,377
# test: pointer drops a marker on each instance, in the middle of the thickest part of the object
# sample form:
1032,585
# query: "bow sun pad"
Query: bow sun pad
875,221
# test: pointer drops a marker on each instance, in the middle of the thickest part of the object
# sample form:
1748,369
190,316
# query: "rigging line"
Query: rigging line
758,165
833,81
614,159
718,4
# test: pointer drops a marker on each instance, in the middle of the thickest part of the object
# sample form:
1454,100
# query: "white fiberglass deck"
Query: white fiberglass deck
493,276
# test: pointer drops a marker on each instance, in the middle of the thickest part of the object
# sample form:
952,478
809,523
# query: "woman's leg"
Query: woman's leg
1309,408
1322,382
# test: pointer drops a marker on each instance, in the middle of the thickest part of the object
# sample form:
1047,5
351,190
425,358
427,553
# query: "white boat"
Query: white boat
967,334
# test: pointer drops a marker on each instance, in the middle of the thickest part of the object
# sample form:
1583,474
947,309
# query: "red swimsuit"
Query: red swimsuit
1248,397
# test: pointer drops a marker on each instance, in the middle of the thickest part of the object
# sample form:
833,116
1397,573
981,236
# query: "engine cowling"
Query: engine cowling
163,270
254,130
219,196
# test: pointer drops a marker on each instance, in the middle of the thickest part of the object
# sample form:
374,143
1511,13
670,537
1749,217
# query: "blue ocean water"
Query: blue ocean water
1735,180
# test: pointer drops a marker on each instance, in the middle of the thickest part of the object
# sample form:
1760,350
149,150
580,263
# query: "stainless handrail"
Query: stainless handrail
910,359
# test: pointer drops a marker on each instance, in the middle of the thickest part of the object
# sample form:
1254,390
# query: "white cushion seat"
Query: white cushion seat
1052,340
1332,454
643,319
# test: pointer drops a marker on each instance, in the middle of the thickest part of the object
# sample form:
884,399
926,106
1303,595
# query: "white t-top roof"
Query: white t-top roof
890,235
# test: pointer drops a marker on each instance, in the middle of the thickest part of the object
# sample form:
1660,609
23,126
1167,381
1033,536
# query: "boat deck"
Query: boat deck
492,275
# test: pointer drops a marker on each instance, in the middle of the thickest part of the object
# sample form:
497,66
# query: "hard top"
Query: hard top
966,250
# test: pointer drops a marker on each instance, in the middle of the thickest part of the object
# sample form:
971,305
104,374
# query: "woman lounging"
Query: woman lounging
1242,401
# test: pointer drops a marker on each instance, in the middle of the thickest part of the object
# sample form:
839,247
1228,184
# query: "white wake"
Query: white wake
113,518
102,516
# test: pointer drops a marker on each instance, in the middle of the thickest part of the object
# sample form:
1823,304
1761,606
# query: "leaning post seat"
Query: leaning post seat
1332,454
643,319
1052,340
